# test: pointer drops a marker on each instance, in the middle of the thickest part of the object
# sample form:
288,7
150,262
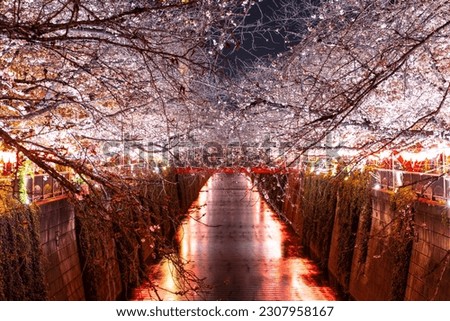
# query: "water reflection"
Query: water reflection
239,248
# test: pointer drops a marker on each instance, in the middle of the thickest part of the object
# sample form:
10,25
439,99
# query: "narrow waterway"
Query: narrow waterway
238,249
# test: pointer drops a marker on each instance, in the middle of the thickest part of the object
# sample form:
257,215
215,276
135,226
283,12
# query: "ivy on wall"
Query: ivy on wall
130,223
120,228
114,232
318,208
354,204
323,198
347,200
21,271
401,239
94,236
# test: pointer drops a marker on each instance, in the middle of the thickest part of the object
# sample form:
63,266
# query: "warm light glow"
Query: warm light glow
377,187
8,157
347,152
407,155
188,248
419,157
433,153
385,154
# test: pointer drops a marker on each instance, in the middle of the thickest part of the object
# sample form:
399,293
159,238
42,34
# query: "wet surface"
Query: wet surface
240,250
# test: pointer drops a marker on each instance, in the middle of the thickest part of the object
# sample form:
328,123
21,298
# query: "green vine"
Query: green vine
402,236
354,203
24,170
318,209
117,228
128,229
323,198
364,230
21,271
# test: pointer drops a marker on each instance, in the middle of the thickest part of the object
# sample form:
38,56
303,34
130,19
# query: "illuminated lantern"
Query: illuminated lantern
8,161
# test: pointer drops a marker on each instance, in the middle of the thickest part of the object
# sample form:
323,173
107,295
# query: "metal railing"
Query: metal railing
133,168
42,187
432,186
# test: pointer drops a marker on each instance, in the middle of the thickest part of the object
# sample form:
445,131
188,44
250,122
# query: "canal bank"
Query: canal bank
374,244
57,249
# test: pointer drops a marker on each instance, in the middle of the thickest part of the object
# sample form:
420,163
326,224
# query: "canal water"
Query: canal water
235,248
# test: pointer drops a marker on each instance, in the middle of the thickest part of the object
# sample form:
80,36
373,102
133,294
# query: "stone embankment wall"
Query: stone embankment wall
59,250
374,244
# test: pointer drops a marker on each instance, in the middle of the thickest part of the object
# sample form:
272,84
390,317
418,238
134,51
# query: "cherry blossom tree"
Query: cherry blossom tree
370,73
75,74
84,84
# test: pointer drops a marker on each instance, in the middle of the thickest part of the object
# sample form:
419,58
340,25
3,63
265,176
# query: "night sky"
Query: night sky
266,36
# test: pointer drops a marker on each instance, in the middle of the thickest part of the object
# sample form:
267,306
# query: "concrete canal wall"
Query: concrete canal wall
60,251
374,244
80,255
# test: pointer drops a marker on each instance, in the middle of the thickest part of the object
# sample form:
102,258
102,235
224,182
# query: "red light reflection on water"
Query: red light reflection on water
238,246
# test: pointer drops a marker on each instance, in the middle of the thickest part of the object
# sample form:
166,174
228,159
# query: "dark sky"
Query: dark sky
265,35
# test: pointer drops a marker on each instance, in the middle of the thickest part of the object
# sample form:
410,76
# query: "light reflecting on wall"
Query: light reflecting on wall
194,225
